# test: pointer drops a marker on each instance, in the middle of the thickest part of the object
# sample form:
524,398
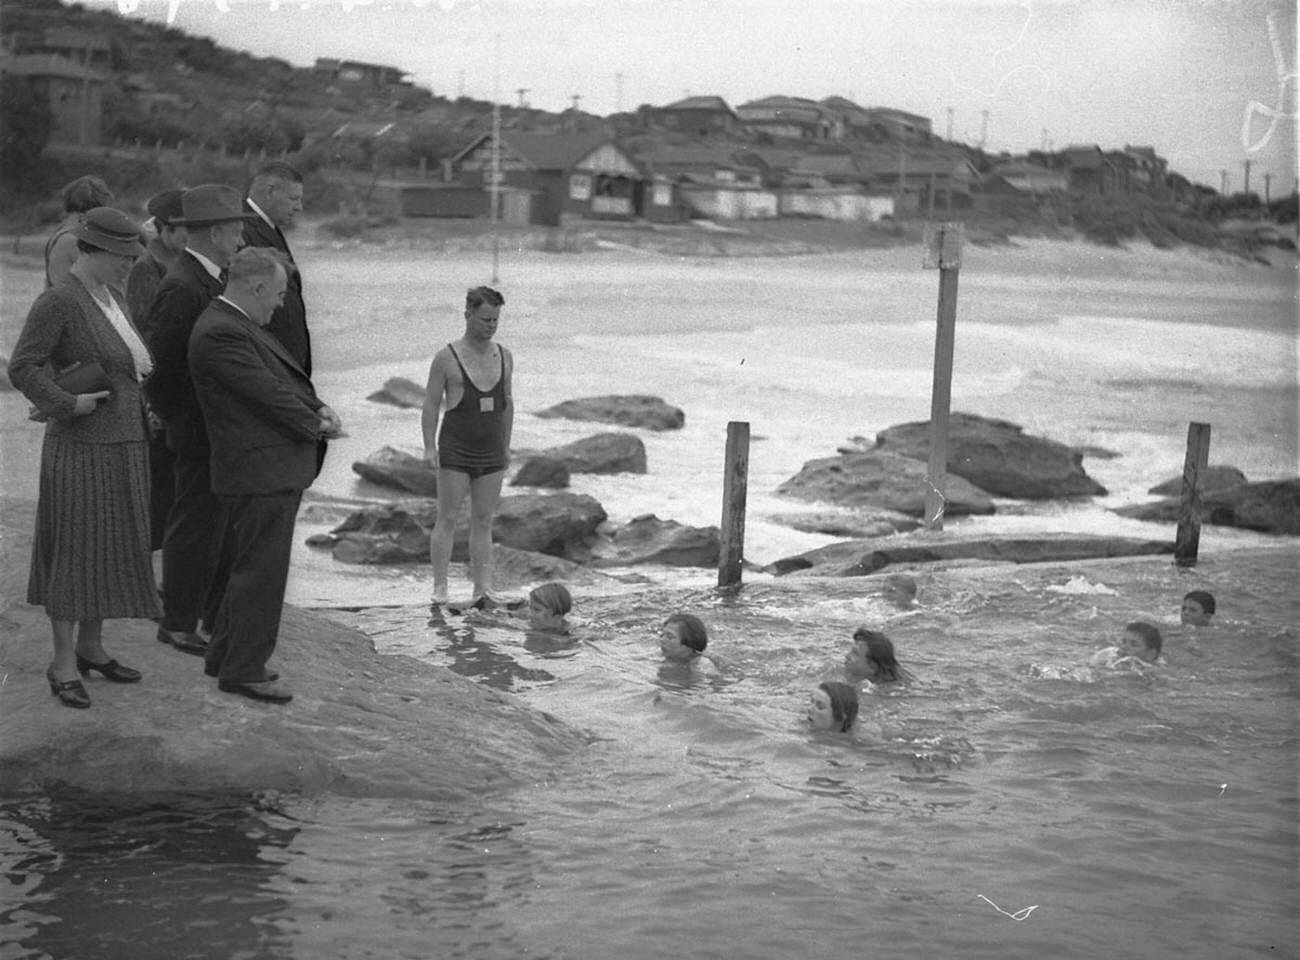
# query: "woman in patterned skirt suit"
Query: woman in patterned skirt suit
90,553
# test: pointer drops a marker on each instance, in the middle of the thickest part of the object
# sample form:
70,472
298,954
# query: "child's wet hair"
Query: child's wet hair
693,632
1149,633
844,702
554,597
880,651
1204,598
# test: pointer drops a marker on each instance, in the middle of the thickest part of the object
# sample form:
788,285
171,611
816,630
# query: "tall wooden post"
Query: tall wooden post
1188,539
943,244
735,483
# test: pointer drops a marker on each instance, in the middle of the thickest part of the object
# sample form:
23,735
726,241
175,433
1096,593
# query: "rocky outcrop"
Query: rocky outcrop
998,457
602,453
400,392
879,479
649,413
1213,480
849,524
397,470
361,724
560,524
647,539
541,471
1270,506
855,558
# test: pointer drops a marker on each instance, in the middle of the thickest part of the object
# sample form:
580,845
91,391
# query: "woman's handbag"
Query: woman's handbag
80,377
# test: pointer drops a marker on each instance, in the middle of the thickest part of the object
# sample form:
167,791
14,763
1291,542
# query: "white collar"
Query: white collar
258,210
207,264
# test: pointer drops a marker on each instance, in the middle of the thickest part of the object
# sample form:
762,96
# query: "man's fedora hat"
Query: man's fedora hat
211,203
110,229
166,207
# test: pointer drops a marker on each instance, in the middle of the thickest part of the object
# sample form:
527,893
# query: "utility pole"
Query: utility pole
575,98
1267,178
951,111
1246,188
521,91
1223,183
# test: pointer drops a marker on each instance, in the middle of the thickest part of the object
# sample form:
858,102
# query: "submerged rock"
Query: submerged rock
879,479
855,558
1213,480
1270,506
647,539
602,453
651,413
559,524
850,524
999,457
396,469
360,724
400,392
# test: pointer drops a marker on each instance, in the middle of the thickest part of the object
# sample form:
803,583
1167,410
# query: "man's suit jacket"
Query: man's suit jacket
259,404
184,293
289,322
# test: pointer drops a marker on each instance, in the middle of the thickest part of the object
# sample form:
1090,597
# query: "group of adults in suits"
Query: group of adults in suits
214,322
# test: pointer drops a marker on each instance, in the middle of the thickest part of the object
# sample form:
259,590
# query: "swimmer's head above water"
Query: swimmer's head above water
683,637
1141,640
833,706
1197,608
872,657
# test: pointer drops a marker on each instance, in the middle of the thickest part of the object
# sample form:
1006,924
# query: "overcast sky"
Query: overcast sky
1209,83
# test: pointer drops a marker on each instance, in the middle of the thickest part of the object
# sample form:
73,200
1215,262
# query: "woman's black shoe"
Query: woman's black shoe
112,670
70,692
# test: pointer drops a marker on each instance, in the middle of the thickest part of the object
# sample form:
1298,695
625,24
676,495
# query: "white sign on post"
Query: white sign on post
943,243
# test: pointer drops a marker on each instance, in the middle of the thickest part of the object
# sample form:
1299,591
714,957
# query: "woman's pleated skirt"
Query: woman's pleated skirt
90,554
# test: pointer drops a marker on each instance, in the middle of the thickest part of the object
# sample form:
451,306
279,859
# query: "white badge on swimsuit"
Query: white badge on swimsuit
486,404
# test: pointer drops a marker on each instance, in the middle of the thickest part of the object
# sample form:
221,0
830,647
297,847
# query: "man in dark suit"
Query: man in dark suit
214,217
263,421
275,197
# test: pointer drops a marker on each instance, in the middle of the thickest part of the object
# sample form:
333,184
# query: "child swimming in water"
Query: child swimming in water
872,658
1197,608
1141,641
900,590
833,706
683,637
547,606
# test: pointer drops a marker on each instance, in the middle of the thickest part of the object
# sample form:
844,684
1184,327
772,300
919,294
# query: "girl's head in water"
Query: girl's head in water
872,657
833,706
1197,608
548,604
683,637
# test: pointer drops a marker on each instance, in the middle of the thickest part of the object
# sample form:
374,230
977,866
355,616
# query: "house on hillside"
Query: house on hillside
791,118
75,94
1018,186
920,179
699,116
376,75
564,176
880,123
80,46
689,180
1089,169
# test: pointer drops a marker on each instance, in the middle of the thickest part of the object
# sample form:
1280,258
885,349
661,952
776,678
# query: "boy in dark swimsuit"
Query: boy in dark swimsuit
472,449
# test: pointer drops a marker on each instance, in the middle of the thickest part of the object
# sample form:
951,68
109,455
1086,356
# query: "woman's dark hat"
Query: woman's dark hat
212,203
110,229
166,207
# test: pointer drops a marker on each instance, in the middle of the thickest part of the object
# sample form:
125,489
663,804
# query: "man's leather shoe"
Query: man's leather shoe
210,671
184,642
265,690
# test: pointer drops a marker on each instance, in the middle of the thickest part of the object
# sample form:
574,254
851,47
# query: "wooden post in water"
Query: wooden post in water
735,482
1188,540
943,244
